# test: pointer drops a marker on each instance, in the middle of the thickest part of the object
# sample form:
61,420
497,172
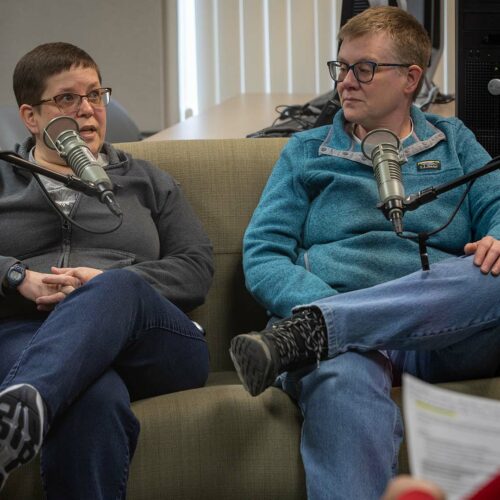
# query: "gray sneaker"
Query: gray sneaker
22,416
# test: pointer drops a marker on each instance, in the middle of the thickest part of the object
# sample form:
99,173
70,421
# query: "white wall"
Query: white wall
125,37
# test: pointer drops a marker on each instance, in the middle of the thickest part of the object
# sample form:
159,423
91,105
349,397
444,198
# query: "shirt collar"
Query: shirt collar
358,140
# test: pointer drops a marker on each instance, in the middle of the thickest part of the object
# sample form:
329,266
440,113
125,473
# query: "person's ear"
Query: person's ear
29,118
415,73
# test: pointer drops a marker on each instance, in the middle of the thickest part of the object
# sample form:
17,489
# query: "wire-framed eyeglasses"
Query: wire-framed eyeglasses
69,102
364,71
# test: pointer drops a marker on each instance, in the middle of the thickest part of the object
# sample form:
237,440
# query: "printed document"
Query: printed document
453,438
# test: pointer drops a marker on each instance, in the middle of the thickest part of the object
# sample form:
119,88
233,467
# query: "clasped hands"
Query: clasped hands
47,290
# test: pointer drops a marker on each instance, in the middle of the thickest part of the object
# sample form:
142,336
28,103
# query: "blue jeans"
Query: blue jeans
439,325
111,341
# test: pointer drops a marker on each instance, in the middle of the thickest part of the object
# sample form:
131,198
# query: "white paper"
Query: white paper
453,438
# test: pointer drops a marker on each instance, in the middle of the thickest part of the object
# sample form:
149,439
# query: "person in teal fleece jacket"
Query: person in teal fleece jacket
358,308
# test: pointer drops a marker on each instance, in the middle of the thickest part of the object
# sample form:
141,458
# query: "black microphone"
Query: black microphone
61,134
381,146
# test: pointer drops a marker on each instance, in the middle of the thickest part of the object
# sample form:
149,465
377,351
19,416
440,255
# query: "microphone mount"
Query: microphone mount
414,201
72,181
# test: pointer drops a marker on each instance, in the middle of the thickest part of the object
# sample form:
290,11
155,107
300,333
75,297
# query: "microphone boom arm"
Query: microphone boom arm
71,181
413,201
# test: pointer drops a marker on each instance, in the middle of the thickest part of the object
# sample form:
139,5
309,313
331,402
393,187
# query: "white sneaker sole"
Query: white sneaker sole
21,427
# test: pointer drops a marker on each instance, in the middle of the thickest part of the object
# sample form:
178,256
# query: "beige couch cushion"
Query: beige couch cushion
217,442
223,180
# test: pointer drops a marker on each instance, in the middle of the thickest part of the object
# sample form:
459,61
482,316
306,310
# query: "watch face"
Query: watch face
15,275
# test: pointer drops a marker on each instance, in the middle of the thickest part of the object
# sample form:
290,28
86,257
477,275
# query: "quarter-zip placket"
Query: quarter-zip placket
66,233
66,244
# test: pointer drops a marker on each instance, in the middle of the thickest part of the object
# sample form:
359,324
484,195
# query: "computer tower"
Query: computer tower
478,70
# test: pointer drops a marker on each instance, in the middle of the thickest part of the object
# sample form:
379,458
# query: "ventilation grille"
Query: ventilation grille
481,109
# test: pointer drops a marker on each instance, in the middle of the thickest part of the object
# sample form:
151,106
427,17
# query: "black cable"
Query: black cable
444,98
447,223
424,236
69,219
293,112
444,226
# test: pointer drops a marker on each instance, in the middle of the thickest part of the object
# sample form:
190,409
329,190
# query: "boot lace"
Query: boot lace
301,337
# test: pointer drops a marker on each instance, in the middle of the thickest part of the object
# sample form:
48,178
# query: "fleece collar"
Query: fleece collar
340,143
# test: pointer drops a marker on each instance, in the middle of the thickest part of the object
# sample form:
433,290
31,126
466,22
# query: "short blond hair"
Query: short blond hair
411,41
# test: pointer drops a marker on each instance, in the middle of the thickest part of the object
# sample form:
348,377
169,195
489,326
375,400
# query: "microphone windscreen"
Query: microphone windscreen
56,127
377,137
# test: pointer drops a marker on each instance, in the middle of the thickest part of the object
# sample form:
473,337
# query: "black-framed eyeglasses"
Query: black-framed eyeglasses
69,102
363,70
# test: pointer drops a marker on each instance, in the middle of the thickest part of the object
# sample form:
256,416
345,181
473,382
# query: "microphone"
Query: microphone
61,134
381,146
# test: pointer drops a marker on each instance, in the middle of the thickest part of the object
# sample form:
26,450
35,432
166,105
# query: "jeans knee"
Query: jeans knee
120,279
463,271
127,285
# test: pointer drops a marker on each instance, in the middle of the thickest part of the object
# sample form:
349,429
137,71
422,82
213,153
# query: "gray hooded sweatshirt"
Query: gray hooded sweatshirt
161,238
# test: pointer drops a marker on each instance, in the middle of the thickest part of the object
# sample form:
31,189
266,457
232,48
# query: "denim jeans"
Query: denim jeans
111,341
439,325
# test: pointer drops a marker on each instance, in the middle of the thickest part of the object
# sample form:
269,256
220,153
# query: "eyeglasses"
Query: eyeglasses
70,102
363,70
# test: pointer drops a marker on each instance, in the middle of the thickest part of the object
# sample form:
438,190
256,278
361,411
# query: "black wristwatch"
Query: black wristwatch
15,275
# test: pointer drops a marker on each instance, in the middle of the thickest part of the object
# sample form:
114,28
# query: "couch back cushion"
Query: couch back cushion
223,180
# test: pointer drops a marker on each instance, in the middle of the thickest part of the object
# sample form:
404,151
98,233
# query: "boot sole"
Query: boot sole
21,427
253,362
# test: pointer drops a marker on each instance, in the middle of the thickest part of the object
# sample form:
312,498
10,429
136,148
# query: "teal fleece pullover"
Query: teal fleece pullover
317,232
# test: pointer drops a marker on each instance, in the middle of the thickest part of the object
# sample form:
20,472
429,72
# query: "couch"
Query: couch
217,442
